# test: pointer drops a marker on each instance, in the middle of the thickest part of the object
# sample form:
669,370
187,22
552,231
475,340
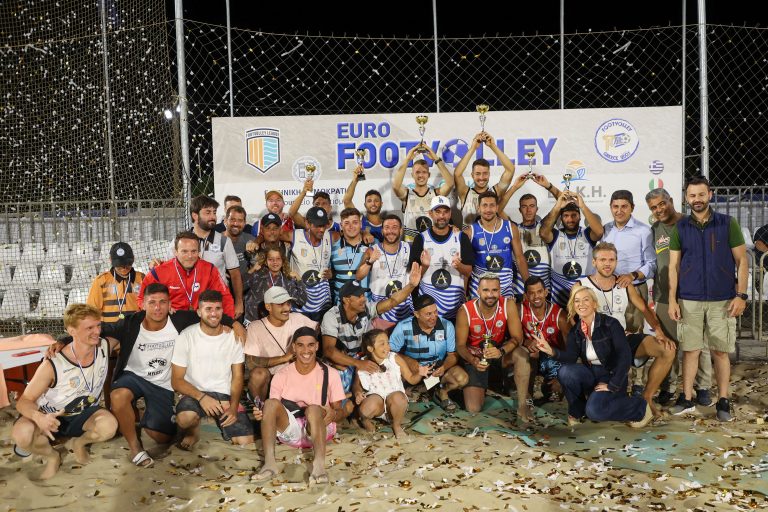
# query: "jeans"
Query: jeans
578,382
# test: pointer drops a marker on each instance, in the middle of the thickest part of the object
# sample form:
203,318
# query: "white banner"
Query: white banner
637,149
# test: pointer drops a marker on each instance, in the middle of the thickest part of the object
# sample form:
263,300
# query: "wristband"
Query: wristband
503,351
549,188
438,160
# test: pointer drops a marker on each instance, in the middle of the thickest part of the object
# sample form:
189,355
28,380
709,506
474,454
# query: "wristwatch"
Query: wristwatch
503,351
635,275
742,296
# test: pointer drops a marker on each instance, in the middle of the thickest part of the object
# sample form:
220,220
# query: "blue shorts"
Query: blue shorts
242,427
548,366
72,426
158,402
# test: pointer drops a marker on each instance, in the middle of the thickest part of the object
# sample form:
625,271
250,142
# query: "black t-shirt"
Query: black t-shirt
417,247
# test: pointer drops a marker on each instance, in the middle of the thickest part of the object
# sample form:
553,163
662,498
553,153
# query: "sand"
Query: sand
683,464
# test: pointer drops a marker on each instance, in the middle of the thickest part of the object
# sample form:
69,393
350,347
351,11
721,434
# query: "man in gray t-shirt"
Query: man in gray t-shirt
234,221
663,210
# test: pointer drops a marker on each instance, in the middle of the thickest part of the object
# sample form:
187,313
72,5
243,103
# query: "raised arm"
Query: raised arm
447,185
458,171
293,211
509,166
350,193
548,222
595,227
397,178
399,296
504,199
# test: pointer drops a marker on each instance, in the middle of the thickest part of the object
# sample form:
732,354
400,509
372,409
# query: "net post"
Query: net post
108,123
703,89
183,114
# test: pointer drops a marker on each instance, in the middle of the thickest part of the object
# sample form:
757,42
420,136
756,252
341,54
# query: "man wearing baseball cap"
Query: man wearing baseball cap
275,204
271,232
114,292
446,259
311,260
267,347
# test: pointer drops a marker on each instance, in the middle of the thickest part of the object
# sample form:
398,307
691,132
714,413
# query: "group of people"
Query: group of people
299,322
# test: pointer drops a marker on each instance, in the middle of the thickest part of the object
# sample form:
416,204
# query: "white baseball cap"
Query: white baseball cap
438,201
277,295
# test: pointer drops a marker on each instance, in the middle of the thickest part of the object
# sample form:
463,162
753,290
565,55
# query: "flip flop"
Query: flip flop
264,475
141,458
448,405
318,480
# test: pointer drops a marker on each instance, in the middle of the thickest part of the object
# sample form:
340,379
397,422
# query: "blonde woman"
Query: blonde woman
596,387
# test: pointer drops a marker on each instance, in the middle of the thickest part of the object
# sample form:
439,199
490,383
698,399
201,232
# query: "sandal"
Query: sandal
448,405
141,458
264,475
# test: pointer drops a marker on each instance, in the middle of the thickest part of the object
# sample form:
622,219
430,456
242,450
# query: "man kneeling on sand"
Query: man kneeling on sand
303,408
62,399
207,369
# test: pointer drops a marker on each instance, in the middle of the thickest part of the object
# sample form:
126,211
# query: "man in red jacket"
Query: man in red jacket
186,276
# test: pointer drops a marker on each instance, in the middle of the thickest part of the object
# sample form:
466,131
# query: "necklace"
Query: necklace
608,303
572,248
394,265
488,246
89,387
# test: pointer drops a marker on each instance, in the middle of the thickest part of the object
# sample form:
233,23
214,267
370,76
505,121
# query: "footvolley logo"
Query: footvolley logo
262,148
616,140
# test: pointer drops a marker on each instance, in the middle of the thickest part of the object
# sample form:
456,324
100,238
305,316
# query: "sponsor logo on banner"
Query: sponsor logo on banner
656,167
299,168
577,170
616,140
262,148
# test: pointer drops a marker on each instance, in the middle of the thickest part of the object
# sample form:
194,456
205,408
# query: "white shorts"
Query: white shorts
295,434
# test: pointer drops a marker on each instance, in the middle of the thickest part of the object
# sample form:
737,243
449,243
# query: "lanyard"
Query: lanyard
488,332
538,323
93,376
488,245
318,262
190,293
572,248
121,302
355,249
269,273
394,265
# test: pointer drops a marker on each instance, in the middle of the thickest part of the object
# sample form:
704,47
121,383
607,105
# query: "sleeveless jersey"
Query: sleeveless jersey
536,254
495,328
374,229
443,282
571,260
75,389
345,258
493,253
469,207
416,217
613,302
388,275
547,326
309,262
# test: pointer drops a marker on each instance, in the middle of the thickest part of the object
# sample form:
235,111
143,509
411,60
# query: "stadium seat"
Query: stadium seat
5,275
57,253
104,248
34,253
140,250
158,249
52,275
15,304
26,275
83,251
10,253
50,305
77,296
82,274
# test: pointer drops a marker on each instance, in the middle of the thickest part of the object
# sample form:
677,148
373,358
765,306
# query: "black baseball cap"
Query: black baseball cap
422,301
121,255
271,218
317,216
352,289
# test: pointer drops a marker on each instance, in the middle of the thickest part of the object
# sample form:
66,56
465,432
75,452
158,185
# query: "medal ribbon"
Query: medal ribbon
191,293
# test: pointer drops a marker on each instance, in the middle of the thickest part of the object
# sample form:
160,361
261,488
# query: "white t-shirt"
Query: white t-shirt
151,356
208,359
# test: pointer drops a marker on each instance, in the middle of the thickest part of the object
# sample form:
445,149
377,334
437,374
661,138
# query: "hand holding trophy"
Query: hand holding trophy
567,177
530,155
422,122
360,155
482,109
310,176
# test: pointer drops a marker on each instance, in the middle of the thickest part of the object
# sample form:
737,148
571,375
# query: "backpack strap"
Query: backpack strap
324,392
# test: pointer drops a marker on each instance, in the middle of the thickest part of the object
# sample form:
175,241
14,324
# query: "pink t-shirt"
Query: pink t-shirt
267,340
307,389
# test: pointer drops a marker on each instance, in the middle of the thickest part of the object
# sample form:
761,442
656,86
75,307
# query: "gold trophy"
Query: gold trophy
310,176
422,122
360,155
567,177
530,156
484,345
482,109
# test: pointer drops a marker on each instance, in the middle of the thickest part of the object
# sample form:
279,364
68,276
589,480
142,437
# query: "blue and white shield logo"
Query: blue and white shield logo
262,148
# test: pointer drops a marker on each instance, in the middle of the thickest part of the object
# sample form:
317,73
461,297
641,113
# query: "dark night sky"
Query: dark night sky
414,17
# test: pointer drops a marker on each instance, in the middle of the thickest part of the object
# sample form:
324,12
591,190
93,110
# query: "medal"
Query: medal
121,316
349,273
573,262
488,258
391,283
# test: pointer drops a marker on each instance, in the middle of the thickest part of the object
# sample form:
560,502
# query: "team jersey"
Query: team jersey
388,275
536,255
493,329
493,254
571,260
612,302
75,388
309,262
547,326
345,258
374,229
416,217
469,207
443,282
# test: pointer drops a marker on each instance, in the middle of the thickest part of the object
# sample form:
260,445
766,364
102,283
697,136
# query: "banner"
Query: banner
636,149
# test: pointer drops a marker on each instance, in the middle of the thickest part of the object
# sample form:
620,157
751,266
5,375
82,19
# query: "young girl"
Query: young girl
381,394
271,269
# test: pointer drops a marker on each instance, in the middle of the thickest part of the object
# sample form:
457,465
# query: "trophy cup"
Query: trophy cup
422,122
530,156
360,155
310,168
484,345
482,109
567,177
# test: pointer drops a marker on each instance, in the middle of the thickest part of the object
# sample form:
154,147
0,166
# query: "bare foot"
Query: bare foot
524,415
368,425
52,463
319,475
265,474
190,439
79,450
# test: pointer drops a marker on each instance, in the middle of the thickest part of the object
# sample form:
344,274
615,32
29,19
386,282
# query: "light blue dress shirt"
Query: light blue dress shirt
634,243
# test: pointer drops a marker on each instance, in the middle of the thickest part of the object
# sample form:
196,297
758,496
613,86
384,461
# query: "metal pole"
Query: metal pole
682,85
108,122
562,54
229,58
182,85
437,69
703,94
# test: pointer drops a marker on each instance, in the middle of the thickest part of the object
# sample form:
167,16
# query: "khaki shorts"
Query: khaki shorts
706,324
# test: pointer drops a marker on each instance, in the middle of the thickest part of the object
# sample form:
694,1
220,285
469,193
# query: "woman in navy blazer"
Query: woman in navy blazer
596,387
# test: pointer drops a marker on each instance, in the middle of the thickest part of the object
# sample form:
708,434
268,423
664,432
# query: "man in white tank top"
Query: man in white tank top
417,200
481,175
613,300
62,399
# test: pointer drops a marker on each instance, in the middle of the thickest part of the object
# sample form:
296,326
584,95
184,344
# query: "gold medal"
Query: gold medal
391,283
488,258
121,316
349,273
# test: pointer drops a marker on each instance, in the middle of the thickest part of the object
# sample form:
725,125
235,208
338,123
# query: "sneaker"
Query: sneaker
682,406
724,410
637,390
703,398
664,398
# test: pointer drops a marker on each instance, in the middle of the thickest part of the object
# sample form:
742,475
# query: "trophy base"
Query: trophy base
361,177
